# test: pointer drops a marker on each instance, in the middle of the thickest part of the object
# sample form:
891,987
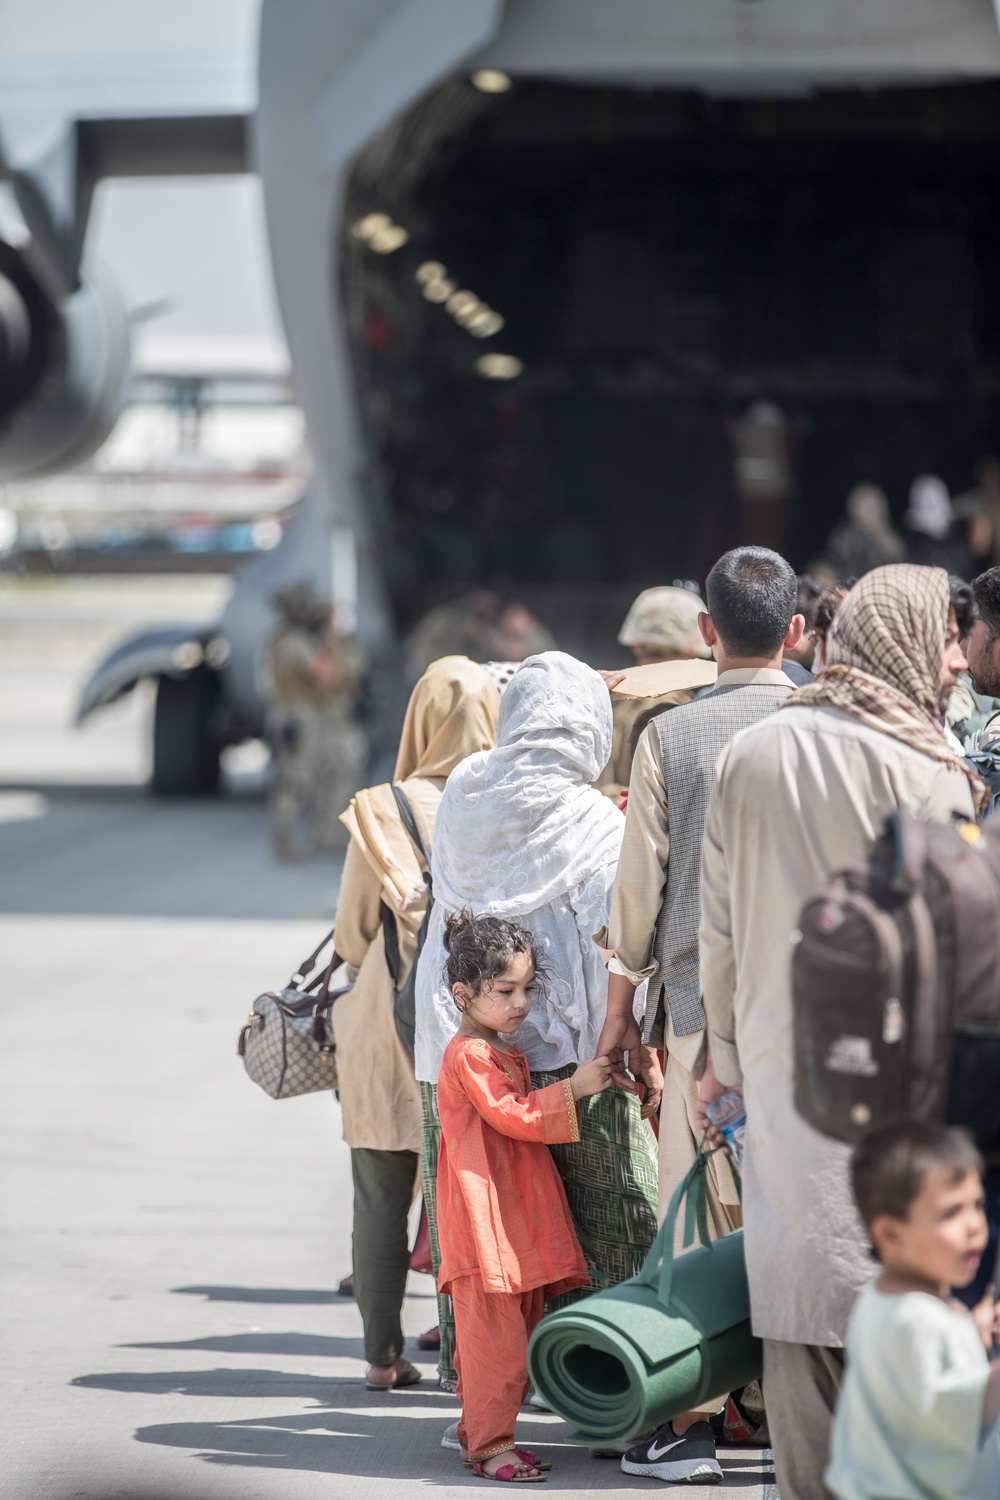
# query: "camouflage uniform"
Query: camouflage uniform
317,746
974,720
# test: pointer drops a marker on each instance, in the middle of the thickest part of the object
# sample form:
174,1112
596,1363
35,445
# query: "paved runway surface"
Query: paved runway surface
172,1237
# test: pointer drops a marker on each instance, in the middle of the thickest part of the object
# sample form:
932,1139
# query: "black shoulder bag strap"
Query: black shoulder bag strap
410,824
405,1003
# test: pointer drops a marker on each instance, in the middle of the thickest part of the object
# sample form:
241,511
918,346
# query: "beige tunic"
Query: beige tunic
379,1096
614,779
796,798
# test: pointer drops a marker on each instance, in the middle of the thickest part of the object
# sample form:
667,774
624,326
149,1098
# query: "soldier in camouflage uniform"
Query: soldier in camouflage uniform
974,713
317,746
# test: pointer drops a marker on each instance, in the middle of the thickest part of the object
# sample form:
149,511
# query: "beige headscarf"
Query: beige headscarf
883,660
452,713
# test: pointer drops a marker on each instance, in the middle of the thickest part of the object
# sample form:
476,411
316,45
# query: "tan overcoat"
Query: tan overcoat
798,796
452,713
379,1096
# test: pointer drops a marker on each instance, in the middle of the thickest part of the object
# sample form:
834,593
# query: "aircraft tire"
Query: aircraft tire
185,752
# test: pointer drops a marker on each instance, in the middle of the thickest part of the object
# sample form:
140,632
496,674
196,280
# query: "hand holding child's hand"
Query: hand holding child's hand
591,1077
986,1316
652,1077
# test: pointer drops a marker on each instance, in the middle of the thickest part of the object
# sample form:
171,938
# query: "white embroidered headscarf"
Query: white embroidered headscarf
521,824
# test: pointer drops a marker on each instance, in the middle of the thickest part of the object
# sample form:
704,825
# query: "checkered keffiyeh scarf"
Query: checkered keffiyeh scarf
884,660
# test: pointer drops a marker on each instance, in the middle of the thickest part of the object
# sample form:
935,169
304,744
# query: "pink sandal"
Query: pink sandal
531,1460
509,1473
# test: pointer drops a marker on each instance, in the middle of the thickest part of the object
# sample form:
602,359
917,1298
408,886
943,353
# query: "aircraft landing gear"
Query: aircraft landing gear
185,749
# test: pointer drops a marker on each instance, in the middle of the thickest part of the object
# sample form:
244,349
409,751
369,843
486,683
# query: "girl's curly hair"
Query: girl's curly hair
481,948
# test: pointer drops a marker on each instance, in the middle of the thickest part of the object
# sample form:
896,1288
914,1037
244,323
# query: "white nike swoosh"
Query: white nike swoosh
655,1453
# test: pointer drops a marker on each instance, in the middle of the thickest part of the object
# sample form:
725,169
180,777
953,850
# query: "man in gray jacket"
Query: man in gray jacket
653,929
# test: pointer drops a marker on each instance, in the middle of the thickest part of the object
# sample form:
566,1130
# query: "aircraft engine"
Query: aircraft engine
64,368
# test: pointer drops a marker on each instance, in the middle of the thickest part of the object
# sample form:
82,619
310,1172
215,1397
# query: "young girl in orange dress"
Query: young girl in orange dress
507,1238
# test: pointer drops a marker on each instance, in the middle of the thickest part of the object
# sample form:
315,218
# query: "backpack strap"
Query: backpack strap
909,853
409,822
405,995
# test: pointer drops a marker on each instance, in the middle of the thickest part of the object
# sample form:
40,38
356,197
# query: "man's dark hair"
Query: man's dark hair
751,598
963,602
986,592
806,597
889,1164
829,601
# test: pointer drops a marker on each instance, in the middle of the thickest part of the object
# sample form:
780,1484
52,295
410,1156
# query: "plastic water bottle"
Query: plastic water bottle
729,1114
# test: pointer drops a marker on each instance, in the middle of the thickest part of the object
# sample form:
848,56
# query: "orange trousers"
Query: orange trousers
492,1330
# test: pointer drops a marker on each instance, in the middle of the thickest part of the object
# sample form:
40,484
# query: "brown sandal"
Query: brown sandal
402,1373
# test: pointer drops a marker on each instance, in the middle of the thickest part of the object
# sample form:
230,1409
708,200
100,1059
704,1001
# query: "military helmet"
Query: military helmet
302,604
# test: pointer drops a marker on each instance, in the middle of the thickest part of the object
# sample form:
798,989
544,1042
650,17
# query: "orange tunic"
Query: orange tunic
502,1210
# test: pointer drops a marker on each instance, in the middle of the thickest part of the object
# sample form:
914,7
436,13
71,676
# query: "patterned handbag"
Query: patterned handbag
287,1043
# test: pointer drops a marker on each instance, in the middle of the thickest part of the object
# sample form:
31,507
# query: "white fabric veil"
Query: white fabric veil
521,824
521,833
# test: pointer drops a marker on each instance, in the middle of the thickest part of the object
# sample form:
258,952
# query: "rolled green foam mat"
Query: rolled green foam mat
628,1359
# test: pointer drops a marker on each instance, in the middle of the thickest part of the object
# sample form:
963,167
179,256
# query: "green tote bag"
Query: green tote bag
629,1358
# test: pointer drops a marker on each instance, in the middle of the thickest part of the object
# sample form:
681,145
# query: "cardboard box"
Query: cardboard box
661,677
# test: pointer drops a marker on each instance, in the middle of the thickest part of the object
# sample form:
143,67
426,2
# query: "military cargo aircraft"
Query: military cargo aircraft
542,266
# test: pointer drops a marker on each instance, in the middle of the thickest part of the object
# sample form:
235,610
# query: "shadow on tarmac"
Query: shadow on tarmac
354,1442
114,851
241,1384
395,1434
302,1345
277,1294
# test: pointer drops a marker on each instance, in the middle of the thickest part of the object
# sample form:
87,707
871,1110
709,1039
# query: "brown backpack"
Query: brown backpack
896,985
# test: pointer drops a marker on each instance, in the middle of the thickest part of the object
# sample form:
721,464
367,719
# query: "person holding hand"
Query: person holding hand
522,833
506,1232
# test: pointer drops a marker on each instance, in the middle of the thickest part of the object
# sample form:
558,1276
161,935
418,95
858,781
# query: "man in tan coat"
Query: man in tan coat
797,797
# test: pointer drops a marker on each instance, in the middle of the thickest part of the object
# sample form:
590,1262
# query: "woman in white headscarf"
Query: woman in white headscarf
522,833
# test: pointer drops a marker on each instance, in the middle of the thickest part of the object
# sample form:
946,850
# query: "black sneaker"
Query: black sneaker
676,1460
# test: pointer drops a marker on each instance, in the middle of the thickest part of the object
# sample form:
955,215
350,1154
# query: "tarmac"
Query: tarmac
172,1238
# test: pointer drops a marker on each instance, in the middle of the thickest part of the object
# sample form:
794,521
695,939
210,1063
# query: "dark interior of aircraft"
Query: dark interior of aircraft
666,266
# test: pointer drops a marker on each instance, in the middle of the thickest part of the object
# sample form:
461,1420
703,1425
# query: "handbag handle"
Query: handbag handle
690,1191
307,965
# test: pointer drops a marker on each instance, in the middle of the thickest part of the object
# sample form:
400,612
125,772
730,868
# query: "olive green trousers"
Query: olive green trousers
383,1194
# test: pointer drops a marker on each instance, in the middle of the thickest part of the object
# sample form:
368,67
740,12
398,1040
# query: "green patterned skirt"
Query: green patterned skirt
430,1146
610,1179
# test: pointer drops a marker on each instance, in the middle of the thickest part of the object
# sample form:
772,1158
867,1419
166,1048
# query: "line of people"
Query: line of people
642,964
960,533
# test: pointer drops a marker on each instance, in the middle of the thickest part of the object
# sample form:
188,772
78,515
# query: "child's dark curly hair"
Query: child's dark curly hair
480,949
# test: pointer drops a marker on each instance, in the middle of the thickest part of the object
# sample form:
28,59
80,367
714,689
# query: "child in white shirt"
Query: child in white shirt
915,1418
